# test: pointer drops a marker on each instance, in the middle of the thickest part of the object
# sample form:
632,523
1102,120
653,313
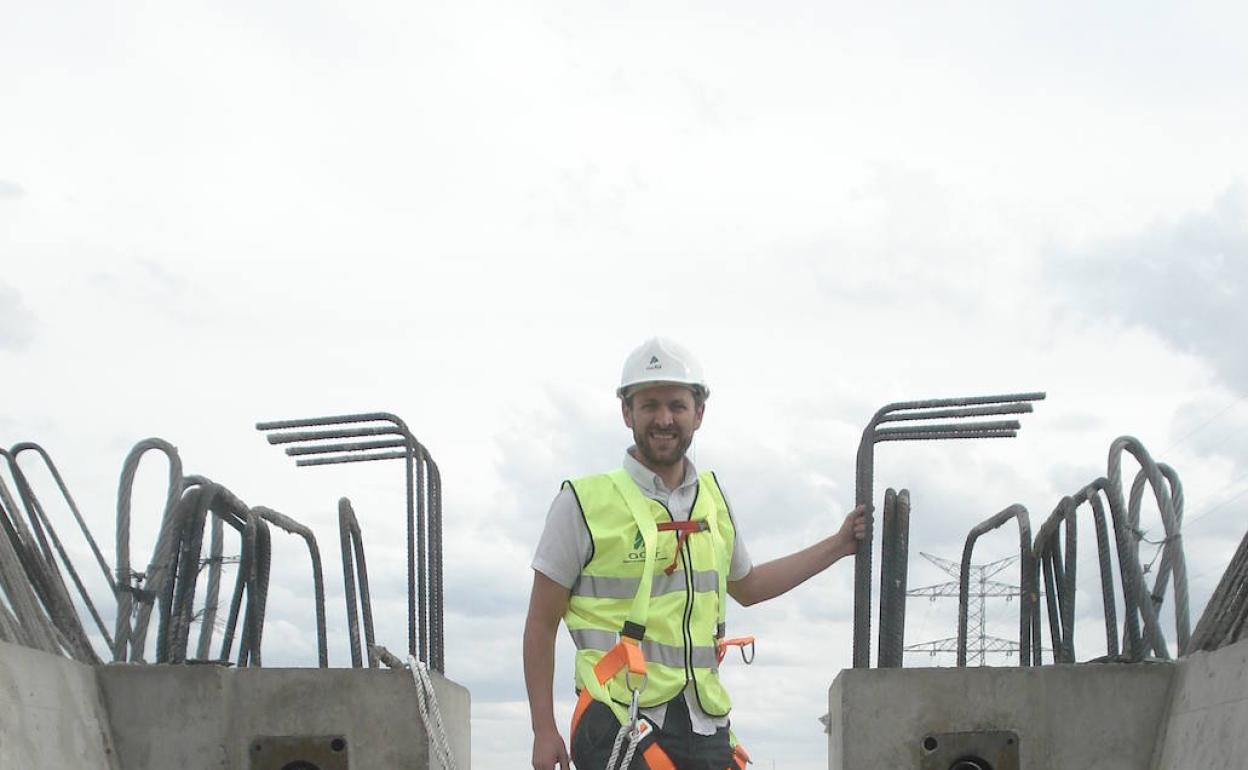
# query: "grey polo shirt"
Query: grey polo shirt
565,547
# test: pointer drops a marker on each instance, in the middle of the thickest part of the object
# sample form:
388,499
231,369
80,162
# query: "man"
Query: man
637,564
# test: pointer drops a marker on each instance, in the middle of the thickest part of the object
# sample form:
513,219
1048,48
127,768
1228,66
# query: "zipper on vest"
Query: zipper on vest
686,561
686,557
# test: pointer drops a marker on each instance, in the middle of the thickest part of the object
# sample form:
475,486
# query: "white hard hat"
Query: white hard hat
660,360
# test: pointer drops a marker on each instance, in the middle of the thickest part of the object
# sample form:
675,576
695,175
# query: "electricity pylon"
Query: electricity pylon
978,641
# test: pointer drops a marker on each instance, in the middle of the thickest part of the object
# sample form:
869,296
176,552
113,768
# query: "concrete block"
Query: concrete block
51,716
193,717
1207,725
1094,717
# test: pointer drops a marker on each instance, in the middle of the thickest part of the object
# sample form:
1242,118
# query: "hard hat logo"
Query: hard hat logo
661,361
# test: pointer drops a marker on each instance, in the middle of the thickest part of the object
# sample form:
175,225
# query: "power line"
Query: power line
1206,423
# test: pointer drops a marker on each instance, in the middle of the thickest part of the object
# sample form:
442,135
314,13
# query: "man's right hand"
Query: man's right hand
549,752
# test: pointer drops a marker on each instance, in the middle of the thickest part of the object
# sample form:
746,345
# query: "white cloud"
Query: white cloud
17,322
1184,280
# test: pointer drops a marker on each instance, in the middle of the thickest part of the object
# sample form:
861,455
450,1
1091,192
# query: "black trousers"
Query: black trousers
595,735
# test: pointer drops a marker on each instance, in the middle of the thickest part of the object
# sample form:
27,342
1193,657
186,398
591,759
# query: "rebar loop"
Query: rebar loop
251,586
1059,576
290,526
212,592
202,500
134,602
1158,593
339,435
36,511
257,545
30,545
1225,619
964,409
1028,605
27,623
349,534
1134,582
893,568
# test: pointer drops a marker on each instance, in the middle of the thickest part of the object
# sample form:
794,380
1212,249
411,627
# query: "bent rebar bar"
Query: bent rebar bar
35,557
349,534
1158,594
1225,619
131,632
1173,543
290,526
424,501
30,625
893,567
34,507
1059,576
965,408
1027,605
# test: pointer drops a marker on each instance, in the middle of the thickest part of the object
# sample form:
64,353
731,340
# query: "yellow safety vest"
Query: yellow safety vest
625,588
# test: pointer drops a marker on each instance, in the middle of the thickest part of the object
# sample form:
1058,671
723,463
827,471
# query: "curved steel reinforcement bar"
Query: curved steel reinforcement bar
128,639
965,408
257,543
1225,619
893,567
349,534
31,627
1059,570
1158,594
212,592
1059,577
423,499
179,593
38,514
437,646
1165,505
1028,610
35,556
290,526
203,497
1092,494
251,584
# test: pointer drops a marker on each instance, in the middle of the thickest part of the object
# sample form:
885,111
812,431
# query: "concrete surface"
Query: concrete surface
50,713
56,714
1092,717
193,717
1207,723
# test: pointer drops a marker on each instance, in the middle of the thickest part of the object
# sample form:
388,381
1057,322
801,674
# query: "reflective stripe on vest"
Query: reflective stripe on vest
602,587
683,618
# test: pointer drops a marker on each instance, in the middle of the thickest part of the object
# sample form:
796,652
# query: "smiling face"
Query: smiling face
663,419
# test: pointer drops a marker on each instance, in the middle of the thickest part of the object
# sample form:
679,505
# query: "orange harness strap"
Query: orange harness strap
625,654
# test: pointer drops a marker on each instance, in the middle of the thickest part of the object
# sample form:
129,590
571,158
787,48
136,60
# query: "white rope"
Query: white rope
634,736
427,700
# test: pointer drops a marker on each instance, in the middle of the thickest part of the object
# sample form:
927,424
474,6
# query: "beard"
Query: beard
662,448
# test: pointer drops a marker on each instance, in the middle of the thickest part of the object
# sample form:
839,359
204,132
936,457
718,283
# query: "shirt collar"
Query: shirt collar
649,481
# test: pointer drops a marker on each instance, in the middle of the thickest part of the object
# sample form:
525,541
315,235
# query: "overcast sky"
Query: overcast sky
468,214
